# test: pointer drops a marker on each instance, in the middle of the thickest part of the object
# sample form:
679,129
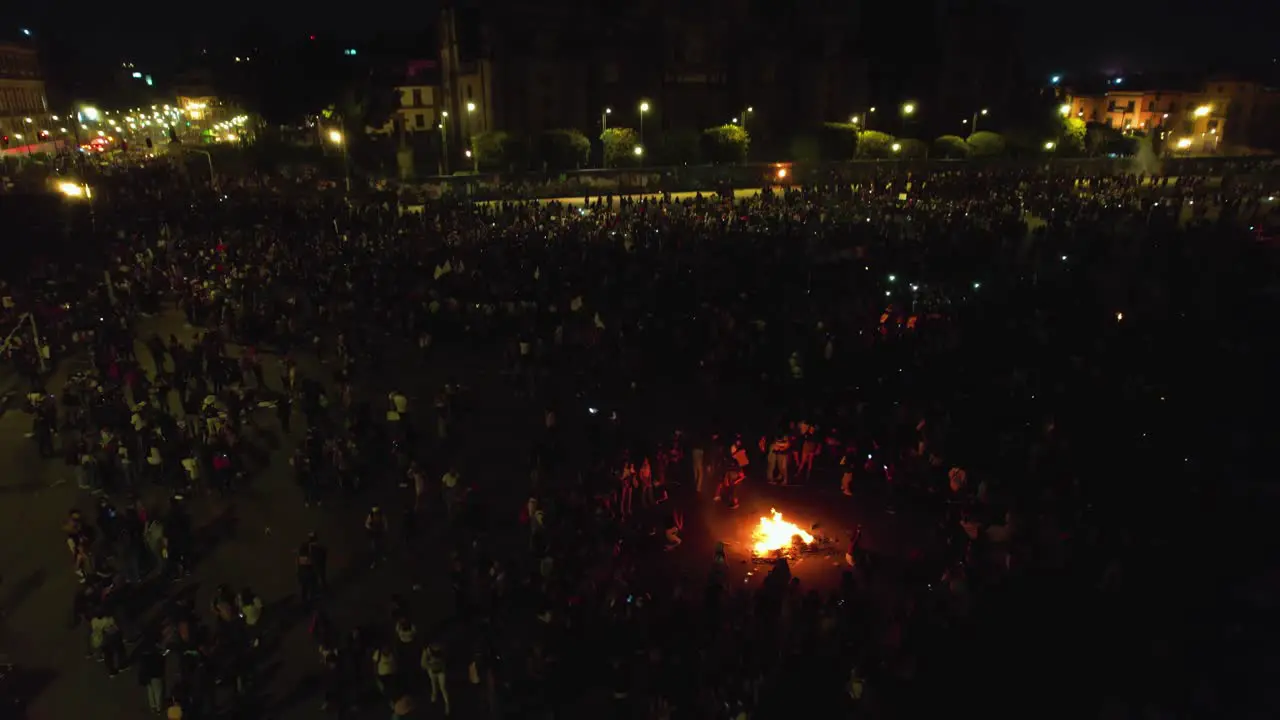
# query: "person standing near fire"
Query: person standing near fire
776,464
728,487
738,451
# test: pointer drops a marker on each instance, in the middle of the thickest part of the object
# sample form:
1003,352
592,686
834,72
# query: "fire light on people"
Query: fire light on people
773,534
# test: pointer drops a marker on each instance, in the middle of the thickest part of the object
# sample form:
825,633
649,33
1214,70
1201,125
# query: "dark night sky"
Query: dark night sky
1084,35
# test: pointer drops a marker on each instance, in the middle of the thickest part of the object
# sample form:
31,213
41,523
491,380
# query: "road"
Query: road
253,537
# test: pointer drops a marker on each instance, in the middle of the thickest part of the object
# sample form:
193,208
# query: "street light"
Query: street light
644,108
908,109
335,137
1203,110
896,147
1064,109
1050,145
444,144
973,126
471,109
604,128
638,151
74,190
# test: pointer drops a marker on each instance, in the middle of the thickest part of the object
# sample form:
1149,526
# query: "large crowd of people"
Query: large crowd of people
1022,360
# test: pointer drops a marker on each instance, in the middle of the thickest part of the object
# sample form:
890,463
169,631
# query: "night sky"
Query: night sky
1081,36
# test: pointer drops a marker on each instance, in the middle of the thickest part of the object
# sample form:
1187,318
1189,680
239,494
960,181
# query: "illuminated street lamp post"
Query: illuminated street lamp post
336,137
213,179
638,151
604,128
973,124
444,144
471,133
745,114
644,108
908,109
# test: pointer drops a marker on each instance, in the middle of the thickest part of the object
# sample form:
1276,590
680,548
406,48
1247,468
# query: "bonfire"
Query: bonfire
774,534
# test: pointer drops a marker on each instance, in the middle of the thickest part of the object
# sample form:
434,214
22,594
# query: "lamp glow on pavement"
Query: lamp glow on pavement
72,190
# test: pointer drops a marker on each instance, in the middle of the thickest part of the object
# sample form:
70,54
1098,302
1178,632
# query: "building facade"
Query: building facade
1219,116
421,100
24,108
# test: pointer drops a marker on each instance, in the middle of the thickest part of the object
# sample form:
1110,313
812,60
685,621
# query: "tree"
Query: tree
1106,140
1072,141
620,145
837,141
874,144
563,149
726,144
985,144
951,147
496,150
912,148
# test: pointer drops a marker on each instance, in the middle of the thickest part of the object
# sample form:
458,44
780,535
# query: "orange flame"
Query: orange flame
774,533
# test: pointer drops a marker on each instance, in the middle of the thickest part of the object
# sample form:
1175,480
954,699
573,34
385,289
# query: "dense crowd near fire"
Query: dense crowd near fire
1014,360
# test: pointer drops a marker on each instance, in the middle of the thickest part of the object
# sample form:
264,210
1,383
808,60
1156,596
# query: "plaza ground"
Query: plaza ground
250,538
